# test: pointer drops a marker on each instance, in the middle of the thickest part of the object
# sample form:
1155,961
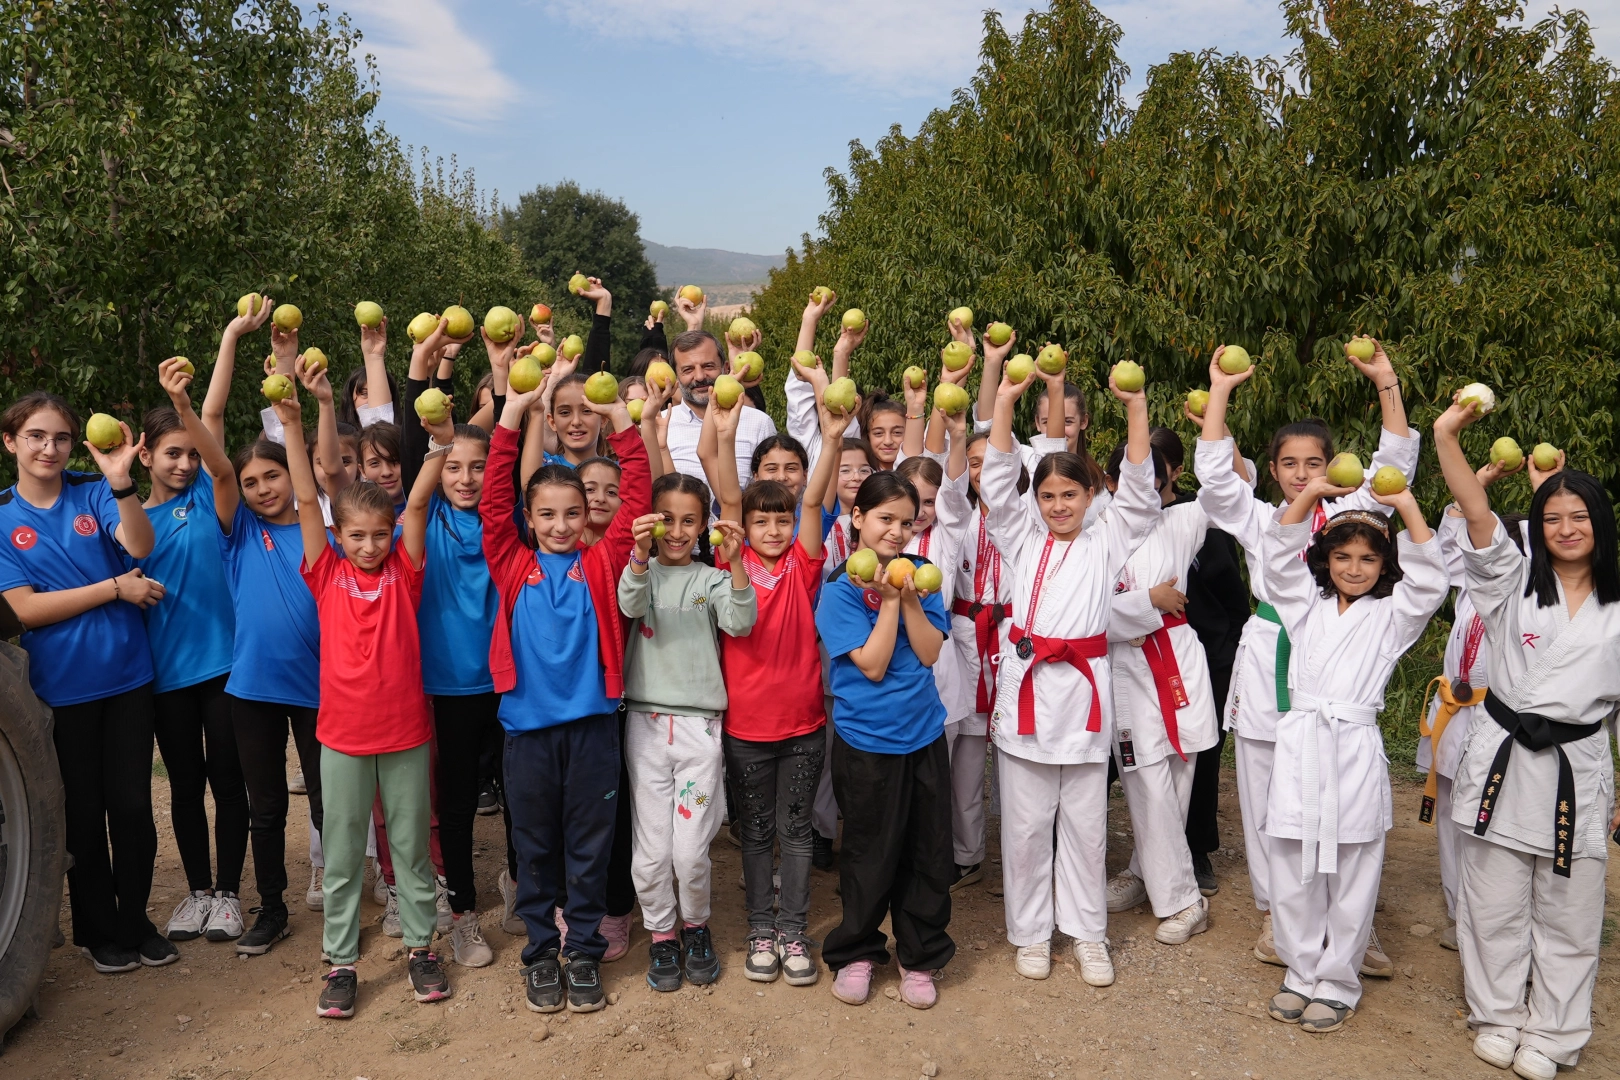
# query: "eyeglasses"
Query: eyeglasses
38,440
860,473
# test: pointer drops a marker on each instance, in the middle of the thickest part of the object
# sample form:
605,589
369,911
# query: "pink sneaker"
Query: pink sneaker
853,983
562,928
917,989
616,928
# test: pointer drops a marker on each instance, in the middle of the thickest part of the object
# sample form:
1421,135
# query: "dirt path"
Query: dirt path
1193,1011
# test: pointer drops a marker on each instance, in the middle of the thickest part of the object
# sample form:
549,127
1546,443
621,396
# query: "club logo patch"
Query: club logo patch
84,525
179,513
23,538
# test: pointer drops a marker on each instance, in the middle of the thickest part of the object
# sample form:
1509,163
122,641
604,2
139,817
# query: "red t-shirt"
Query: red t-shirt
371,657
773,676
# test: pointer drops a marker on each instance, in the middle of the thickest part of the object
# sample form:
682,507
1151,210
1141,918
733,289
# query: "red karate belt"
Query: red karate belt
1161,661
1076,652
986,618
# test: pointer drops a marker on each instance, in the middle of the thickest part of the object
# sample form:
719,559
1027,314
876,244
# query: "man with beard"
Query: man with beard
697,362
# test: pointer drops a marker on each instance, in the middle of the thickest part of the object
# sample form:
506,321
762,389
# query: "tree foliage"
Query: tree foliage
1422,171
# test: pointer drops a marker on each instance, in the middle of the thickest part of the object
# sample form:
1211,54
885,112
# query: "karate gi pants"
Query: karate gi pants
967,794
1157,796
1254,758
1448,838
1321,927
1515,917
676,765
1034,795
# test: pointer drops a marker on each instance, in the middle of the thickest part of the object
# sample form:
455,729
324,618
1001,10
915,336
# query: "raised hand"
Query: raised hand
115,463
175,380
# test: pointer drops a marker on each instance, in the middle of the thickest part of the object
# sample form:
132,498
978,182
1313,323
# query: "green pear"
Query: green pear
863,565
525,374
187,366
1234,360
1388,481
578,284
915,377
691,294
433,405
500,323
103,431
572,346
658,309
659,374
458,322
741,329
1020,368
727,390
636,407
659,530
277,388
963,315
928,578
601,389
369,314
543,354
249,304
807,359
1345,471
956,355
314,361
421,328
840,396
951,399
1361,348
820,295
998,334
716,538
1197,401
1052,359
287,318
539,315
1545,456
854,320
1506,453
748,366
1129,376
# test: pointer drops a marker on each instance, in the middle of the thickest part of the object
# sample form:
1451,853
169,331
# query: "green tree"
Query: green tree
561,230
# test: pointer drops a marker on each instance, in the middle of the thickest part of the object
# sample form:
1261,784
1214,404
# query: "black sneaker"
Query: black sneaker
664,966
967,875
112,959
584,977
488,801
542,984
428,980
821,851
269,928
701,962
337,996
156,951
1205,874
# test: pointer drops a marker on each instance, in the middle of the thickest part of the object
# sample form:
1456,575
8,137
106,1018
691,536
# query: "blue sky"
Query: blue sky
765,93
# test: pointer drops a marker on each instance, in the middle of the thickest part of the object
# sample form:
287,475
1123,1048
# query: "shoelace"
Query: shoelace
426,964
761,945
794,948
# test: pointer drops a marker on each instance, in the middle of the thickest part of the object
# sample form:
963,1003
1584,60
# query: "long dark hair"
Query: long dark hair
876,490
1333,537
1605,575
779,441
682,484
1308,428
346,411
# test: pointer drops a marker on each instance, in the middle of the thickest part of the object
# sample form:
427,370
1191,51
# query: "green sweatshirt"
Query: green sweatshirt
672,664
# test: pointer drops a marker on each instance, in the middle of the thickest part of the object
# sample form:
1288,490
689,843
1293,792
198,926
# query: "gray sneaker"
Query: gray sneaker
467,945
510,922
762,964
441,901
390,918
315,895
799,967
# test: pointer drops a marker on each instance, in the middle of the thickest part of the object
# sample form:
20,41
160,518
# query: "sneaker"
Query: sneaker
1095,967
157,951
1374,962
762,963
616,928
821,852
1495,1050
799,968
488,801
967,875
542,984
467,945
441,901
1323,1015
1448,938
112,959
428,979
390,915
379,884
1193,919
190,917
1204,873
853,983
225,921
1125,891
296,785
917,988
1265,947
664,966
1034,961
701,962
1287,1006
584,984
337,996
509,916
269,928
315,895
1532,1064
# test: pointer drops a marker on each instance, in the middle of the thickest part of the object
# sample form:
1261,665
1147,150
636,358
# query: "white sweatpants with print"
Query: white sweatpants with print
1033,795
1321,928
967,793
1157,796
1254,758
677,799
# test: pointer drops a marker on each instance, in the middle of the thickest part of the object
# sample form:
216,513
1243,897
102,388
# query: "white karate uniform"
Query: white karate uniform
1329,803
1157,780
1251,705
979,578
1060,771
1515,916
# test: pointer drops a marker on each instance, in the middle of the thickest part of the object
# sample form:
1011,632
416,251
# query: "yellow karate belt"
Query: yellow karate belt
1449,707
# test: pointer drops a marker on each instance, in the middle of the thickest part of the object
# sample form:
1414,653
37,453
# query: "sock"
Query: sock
665,935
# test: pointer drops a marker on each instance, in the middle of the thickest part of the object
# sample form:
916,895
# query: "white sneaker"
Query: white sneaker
441,900
1095,967
467,944
1265,946
1125,891
1193,919
296,785
1375,962
379,888
390,918
1495,1050
190,917
509,917
1532,1064
1035,961
315,898
225,921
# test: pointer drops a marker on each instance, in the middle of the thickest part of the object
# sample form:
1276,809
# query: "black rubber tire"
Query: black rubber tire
32,838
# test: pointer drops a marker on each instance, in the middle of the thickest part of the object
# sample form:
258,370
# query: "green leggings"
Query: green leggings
350,785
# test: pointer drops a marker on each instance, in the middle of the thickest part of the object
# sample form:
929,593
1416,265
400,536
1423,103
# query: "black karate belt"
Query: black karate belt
1534,733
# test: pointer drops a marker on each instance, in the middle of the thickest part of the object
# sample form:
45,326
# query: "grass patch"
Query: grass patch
160,770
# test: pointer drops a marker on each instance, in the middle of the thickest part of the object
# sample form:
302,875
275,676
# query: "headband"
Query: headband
1361,517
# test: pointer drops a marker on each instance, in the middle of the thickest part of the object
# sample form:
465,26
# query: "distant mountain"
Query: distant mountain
708,266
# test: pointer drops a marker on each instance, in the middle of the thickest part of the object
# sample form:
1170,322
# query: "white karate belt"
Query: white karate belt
1319,800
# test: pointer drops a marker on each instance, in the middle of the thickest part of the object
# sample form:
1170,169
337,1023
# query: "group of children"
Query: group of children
639,613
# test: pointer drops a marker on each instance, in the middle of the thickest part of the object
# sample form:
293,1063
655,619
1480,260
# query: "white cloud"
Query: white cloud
425,54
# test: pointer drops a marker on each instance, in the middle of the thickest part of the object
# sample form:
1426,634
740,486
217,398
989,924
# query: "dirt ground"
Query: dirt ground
1191,1011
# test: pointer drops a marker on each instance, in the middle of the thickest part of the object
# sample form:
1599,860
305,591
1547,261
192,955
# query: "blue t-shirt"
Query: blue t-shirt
103,651
556,459
277,656
901,713
192,629
554,643
457,613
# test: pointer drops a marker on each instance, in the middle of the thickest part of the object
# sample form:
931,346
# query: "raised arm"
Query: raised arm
717,450
311,526
328,449
498,504
134,532
219,384
1465,486
1381,373
177,384
652,409
414,536
995,356
599,342
374,348
820,480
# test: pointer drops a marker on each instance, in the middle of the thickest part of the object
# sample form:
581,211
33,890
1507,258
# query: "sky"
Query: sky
714,120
